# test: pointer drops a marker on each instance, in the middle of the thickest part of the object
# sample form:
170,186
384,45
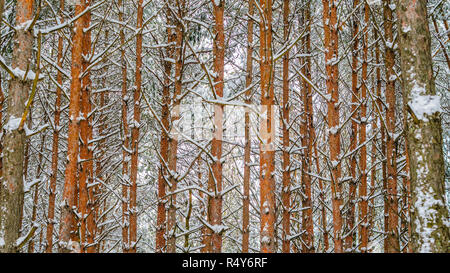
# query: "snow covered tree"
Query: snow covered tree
429,215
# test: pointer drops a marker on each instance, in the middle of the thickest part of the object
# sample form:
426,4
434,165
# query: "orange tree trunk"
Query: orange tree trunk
215,179
392,238
332,70
286,193
86,167
248,100
70,184
173,141
267,132
307,138
350,217
164,148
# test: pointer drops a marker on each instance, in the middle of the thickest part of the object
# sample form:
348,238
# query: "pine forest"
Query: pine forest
221,126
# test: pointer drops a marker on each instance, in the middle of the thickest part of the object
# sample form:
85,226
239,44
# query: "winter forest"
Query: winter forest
207,126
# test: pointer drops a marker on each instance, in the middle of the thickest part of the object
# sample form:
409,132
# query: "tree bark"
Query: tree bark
247,160
164,146
392,238
2,100
350,216
267,132
126,139
286,192
175,117
11,192
135,128
86,165
70,185
332,70
307,137
215,179
430,231
363,197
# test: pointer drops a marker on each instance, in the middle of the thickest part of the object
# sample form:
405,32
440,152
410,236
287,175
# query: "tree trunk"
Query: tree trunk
86,166
175,117
307,137
125,140
350,217
331,57
215,179
2,100
363,197
70,185
392,237
430,231
267,132
135,128
286,192
247,160
164,147
11,192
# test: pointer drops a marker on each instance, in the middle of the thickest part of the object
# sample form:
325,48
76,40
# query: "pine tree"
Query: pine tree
430,233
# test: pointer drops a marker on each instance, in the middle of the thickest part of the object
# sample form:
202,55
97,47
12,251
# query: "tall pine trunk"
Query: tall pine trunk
164,146
135,128
247,160
286,192
215,179
392,238
332,70
86,164
363,196
430,231
69,197
11,191
350,216
307,136
175,117
267,132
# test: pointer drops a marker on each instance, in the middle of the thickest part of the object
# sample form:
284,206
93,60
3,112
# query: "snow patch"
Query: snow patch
406,28
374,2
12,124
425,222
423,105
